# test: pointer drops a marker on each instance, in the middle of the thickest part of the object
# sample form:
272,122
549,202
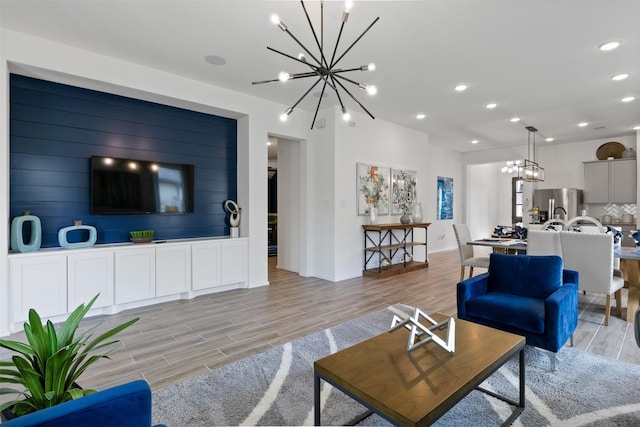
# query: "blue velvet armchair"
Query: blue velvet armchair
124,405
526,295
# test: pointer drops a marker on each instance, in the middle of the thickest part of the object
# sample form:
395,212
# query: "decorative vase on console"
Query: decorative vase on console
373,215
405,218
417,214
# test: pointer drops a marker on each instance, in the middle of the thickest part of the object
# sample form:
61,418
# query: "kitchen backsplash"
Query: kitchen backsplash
597,211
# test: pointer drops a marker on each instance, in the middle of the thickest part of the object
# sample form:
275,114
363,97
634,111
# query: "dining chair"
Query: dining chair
543,242
467,257
591,255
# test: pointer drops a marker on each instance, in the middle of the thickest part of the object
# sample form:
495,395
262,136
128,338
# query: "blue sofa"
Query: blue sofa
526,295
124,405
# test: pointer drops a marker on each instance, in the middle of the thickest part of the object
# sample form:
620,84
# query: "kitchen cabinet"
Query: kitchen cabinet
610,181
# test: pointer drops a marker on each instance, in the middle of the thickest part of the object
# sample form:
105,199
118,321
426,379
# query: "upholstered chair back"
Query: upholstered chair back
525,275
543,243
592,256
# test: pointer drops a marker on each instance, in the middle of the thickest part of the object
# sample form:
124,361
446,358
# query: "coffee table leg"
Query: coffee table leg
316,399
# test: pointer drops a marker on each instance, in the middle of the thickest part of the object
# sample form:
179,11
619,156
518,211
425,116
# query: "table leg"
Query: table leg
631,267
316,399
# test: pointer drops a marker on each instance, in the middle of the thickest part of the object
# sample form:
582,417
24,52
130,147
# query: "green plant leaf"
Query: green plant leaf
76,393
16,346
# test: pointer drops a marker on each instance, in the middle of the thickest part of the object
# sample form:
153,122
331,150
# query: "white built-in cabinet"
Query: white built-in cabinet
610,181
135,274
173,269
39,283
90,273
205,265
55,282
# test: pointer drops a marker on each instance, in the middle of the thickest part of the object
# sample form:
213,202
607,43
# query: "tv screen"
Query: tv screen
128,186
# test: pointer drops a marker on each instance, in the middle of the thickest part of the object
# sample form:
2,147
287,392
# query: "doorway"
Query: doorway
285,202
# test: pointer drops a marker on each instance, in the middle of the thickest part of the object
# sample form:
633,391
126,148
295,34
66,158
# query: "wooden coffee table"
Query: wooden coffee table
416,388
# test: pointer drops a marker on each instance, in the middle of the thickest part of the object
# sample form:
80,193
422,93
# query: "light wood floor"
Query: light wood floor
175,341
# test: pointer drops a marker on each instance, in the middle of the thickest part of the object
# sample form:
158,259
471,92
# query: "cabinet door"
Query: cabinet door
622,181
205,264
90,273
135,274
596,182
234,262
38,282
173,269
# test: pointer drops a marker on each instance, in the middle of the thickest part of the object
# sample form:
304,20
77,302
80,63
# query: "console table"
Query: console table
391,245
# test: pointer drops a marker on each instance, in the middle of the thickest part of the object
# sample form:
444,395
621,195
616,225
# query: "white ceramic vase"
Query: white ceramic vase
373,215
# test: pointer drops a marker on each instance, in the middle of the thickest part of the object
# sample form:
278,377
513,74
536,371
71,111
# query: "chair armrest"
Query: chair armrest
124,405
469,289
561,314
570,276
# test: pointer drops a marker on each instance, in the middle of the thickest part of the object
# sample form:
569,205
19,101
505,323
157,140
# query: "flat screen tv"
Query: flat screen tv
128,186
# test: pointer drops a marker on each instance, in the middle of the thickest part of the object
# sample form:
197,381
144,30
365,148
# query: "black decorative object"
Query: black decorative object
323,68
617,234
521,232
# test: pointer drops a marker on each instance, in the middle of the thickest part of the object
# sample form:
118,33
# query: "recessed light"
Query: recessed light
421,116
268,143
514,119
619,77
215,60
636,128
627,98
549,139
583,124
475,141
609,45
491,105
461,87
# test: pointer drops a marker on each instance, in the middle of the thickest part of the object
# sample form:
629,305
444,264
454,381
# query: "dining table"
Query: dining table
503,245
629,260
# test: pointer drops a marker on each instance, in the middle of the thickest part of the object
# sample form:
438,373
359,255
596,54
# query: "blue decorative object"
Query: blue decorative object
500,230
527,295
17,237
635,235
77,225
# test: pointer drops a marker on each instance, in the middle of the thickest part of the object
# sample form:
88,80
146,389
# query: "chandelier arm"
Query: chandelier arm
302,46
313,66
306,93
340,70
292,77
315,36
355,99
324,86
333,64
336,89
335,48
347,79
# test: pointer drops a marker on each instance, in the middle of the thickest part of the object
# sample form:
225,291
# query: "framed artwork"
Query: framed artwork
403,191
445,198
372,183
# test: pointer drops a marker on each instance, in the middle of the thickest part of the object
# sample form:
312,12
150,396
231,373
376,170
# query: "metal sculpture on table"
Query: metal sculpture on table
234,216
421,334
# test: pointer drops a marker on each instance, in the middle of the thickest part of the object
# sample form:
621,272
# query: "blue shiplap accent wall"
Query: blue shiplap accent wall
56,128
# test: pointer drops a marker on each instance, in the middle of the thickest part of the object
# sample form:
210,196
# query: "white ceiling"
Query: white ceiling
537,59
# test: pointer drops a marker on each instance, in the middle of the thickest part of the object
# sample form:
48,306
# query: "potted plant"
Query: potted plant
50,362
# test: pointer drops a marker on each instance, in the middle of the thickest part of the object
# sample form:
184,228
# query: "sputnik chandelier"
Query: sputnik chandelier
323,68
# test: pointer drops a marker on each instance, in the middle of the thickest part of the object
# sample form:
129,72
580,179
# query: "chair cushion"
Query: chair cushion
524,275
523,313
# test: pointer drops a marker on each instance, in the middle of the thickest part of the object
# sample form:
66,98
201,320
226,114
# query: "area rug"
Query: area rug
276,388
